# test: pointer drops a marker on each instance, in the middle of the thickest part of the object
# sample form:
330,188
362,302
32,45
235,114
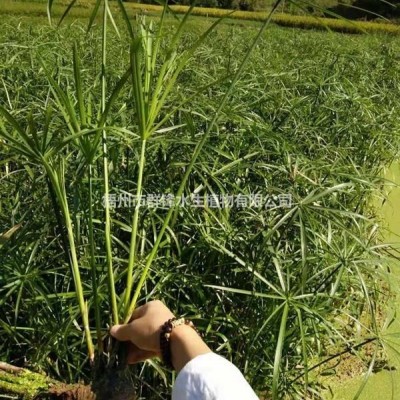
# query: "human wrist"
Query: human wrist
185,345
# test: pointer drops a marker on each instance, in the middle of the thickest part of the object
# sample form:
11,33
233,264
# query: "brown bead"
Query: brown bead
165,335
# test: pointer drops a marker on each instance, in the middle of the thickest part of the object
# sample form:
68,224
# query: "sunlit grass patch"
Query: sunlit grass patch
83,8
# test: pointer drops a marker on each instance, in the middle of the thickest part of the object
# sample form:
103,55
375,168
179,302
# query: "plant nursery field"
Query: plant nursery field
234,170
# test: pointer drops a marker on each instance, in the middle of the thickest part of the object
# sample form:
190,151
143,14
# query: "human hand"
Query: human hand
143,336
143,331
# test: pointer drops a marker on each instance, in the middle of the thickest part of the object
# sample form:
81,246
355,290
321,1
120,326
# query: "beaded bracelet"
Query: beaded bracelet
165,336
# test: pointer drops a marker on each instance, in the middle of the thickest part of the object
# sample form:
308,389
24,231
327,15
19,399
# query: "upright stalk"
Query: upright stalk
107,230
93,265
134,234
78,284
278,351
62,198
140,94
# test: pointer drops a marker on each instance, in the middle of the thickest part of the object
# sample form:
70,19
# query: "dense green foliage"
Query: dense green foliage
369,9
275,290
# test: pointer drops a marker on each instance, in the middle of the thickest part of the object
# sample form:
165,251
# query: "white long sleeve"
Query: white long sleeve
211,377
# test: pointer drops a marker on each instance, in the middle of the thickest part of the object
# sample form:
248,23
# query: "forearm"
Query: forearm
186,344
203,375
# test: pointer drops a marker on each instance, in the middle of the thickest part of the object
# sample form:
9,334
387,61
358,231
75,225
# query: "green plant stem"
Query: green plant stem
304,348
57,213
62,198
134,234
93,264
78,283
107,229
278,352
196,153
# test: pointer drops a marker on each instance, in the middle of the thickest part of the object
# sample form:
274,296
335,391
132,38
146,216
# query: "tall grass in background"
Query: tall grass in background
143,108
303,21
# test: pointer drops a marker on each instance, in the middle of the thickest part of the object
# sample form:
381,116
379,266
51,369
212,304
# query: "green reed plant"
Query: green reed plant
150,91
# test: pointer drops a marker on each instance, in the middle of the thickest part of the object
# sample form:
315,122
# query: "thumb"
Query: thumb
123,333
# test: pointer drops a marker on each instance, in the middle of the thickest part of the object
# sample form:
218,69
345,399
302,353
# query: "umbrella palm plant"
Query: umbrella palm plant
81,165
151,79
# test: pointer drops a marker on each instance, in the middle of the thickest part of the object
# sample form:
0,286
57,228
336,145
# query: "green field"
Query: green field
297,296
290,16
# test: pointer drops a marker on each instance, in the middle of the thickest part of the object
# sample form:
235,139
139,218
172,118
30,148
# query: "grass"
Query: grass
83,10
275,290
266,5
384,383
